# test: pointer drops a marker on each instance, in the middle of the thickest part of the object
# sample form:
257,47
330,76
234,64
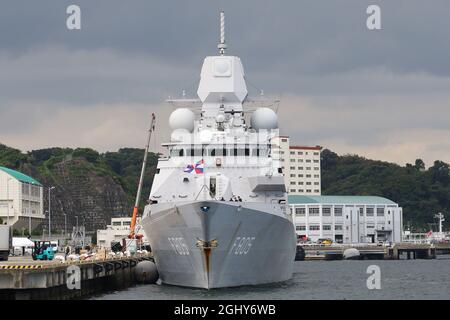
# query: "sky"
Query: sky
383,94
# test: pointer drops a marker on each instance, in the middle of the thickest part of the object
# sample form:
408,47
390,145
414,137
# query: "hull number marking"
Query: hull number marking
242,245
179,245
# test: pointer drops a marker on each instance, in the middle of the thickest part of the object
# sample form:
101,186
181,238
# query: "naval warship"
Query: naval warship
217,214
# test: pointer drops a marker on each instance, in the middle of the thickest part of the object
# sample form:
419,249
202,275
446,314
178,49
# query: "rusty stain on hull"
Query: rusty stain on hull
206,247
207,252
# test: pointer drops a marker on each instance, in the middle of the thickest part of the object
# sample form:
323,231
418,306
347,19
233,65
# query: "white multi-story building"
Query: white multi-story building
118,229
347,219
21,200
301,167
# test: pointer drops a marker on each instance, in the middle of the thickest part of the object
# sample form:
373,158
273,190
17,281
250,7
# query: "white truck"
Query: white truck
5,242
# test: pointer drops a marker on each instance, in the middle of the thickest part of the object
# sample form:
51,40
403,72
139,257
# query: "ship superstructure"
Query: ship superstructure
218,215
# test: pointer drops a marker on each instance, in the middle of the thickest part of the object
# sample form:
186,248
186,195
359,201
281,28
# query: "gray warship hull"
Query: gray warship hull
214,244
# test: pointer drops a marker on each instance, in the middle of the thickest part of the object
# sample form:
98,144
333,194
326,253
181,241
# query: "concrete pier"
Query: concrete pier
374,252
49,280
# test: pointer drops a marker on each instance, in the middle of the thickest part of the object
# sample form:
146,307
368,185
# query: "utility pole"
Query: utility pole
65,225
49,213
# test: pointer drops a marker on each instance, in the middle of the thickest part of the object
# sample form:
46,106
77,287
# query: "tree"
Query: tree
419,165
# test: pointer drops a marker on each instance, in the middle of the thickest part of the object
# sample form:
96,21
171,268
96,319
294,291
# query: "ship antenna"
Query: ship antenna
222,45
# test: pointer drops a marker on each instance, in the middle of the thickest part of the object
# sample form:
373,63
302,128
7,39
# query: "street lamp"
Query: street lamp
65,225
49,213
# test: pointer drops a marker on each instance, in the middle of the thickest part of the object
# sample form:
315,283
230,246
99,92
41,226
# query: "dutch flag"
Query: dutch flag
197,168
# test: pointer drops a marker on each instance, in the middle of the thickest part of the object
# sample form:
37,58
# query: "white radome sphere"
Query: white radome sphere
182,118
264,118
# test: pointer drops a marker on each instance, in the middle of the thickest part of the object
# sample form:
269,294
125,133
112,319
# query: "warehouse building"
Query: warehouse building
347,219
21,200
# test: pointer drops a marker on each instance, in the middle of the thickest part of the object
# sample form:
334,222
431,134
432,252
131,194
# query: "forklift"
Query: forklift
43,250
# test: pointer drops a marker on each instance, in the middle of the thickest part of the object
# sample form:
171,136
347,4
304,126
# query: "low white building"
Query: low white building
118,229
347,219
21,199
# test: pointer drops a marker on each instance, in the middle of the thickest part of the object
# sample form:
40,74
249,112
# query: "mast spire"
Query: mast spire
222,45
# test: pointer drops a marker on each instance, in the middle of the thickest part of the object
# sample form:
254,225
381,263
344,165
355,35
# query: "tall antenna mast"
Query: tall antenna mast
222,46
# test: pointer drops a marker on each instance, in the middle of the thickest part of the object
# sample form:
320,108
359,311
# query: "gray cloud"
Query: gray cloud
383,94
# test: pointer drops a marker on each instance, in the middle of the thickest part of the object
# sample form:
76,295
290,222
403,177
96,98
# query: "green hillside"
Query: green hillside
421,192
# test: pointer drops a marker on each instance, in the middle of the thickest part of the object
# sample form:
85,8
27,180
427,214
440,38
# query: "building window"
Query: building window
292,160
308,168
314,228
300,176
316,183
292,168
361,211
300,190
369,212
316,153
117,223
292,190
293,183
300,182
308,183
316,190
338,211
292,175
370,226
327,227
292,152
308,190
380,212
308,176
316,168
300,211
308,160
300,153
313,211
326,211
316,161
300,160
300,228
338,227
300,168
283,140
316,176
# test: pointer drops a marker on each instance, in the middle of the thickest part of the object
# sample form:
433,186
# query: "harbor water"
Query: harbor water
400,279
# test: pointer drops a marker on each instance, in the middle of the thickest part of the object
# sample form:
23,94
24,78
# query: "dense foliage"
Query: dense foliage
421,192
124,166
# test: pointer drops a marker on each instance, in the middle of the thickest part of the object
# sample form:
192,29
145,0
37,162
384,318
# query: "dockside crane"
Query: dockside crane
133,234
